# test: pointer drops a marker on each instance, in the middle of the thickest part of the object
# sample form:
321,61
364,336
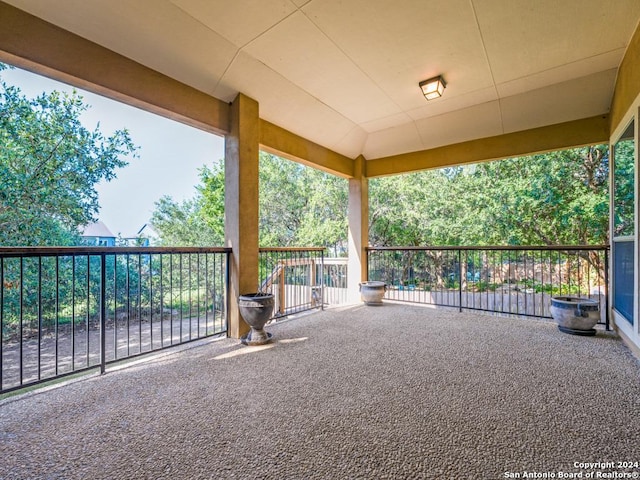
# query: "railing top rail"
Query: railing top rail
336,260
563,248
292,249
70,251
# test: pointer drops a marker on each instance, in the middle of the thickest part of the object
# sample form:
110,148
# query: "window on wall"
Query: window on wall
624,204
623,184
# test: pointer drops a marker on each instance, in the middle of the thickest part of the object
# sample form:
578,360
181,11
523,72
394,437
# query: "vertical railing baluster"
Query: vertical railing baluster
150,256
299,280
525,289
21,317
189,280
161,303
570,272
510,278
198,292
227,280
73,312
494,282
1,323
502,282
171,296
606,288
460,279
180,275
127,288
56,312
103,313
579,263
115,306
208,296
88,285
39,317
322,277
559,253
542,266
139,303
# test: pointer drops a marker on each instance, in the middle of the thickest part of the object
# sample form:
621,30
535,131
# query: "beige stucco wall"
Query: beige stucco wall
627,87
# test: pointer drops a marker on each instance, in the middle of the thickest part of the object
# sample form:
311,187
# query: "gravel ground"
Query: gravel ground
393,392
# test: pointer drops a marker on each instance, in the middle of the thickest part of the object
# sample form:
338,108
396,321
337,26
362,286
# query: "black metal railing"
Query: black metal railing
509,280
294,276
66,310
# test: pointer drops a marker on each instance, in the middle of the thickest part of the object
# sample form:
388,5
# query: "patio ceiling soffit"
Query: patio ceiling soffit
38,45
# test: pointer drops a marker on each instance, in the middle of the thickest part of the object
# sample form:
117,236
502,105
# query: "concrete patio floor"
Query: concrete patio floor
396,391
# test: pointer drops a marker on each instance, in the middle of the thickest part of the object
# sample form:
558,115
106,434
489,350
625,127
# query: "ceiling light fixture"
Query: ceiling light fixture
433,88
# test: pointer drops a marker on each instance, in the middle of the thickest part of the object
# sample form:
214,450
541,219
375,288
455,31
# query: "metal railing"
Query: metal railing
334,278
509,280
66,310
294,276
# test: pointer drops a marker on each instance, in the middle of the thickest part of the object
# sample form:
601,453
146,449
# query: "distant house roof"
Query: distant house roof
147,230
97,229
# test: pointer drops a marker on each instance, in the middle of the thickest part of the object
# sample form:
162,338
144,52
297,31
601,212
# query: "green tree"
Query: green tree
282,200
212,192
301,206
198,221
624,191
324,221
548,199
50,165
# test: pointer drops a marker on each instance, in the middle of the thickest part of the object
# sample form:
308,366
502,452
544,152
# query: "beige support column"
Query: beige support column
358,215
241,204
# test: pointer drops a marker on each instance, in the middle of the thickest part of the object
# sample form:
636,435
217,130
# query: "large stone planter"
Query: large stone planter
256,310
575,315
372,292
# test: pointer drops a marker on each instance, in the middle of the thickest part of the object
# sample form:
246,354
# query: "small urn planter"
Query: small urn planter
372,292
575,315
256,310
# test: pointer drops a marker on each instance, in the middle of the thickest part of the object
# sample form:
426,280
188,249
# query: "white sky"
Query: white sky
169,156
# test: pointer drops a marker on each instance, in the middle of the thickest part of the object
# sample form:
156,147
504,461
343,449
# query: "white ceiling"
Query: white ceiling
345,73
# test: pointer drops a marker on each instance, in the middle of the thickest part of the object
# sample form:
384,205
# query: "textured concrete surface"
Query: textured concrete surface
395,391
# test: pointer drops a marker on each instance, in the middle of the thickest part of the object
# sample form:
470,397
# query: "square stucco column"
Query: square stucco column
241,205
358,215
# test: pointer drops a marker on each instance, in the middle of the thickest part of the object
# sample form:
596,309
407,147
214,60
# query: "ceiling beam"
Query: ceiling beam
281,142
587,131
30,43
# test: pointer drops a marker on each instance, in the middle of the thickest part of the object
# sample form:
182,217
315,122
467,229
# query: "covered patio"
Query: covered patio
399,391
395,391
336,85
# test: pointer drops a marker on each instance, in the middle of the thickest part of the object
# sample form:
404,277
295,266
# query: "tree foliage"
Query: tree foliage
50,165
548,199
198,221
301,206
624,189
